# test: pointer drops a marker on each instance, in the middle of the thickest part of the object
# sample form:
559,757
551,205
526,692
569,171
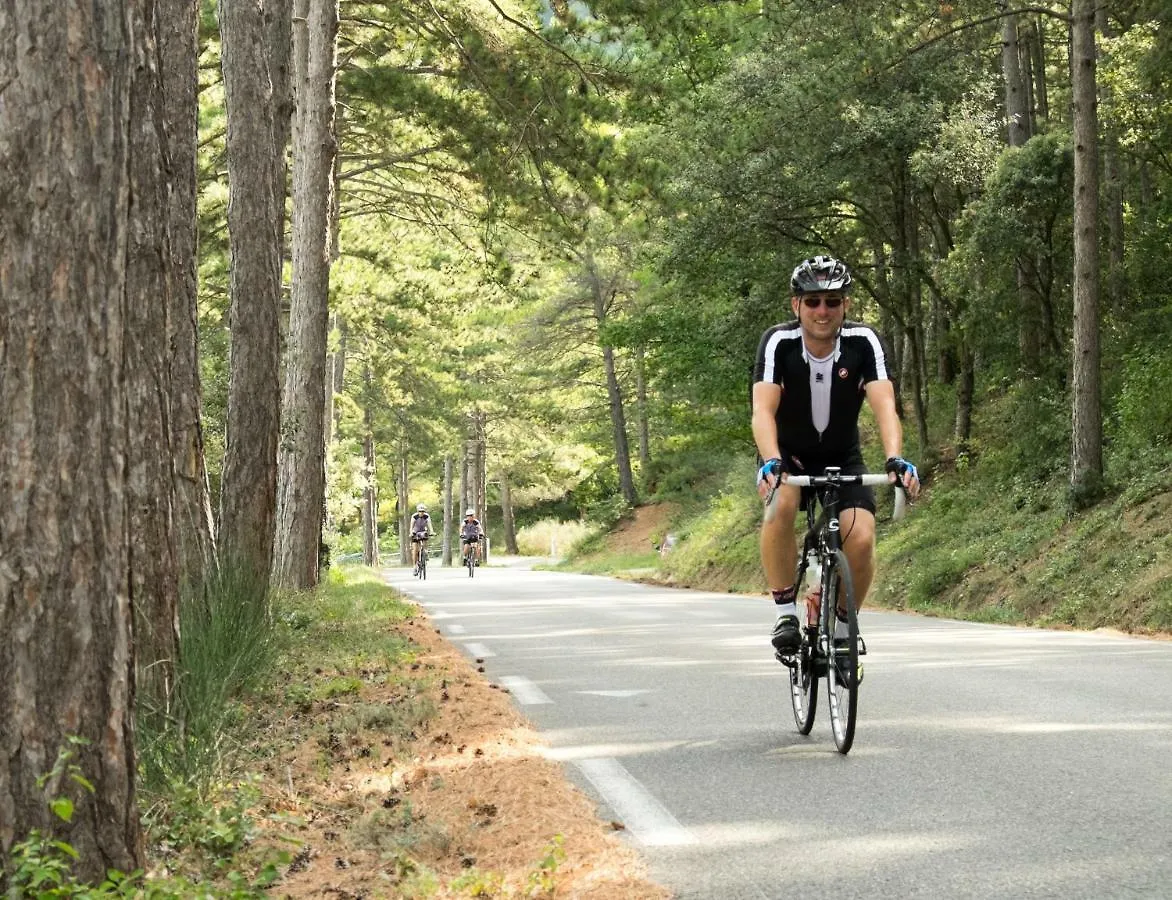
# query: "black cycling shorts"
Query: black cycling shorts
418,537
850,496
470,540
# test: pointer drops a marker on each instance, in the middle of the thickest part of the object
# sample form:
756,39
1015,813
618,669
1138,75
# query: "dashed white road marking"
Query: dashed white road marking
478,650
620,694
457,629
644,816
524,690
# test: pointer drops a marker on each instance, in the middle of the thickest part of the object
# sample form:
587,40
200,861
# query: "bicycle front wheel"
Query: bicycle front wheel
842,671
803,674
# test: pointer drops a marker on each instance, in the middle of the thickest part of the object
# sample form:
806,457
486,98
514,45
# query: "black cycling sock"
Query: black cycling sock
786,595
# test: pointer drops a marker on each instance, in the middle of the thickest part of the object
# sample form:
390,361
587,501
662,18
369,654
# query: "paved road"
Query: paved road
988,761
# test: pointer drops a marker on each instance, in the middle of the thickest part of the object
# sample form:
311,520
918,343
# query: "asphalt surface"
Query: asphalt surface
988,760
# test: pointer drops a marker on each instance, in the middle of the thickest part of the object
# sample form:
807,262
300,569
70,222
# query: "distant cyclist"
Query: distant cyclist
470,535
809,383
421,530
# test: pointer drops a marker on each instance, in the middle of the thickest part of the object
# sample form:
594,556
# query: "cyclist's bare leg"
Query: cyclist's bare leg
858,530
779,549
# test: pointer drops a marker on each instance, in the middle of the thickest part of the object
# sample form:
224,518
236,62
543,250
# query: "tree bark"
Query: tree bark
1112,186
404,516
1086,463
370,554
1017,112
154,567
448,518
301,468
641,409
1040,91
67,659
1017,119
195,530
507,522
251,53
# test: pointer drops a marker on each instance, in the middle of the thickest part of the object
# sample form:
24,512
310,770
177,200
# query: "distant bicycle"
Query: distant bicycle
421,566
470,560
829,589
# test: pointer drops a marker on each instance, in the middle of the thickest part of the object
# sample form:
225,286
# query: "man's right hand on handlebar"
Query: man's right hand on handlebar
906,473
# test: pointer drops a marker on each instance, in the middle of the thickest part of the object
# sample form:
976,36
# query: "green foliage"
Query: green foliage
41,867
226,642
1143,406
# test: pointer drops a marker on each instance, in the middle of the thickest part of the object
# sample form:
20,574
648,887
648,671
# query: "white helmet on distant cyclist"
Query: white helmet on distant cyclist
469,512
422,507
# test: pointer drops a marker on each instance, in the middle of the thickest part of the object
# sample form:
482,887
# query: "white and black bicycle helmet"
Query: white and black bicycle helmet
820,273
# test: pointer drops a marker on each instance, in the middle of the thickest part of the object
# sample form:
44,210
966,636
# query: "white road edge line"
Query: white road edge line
525,691
478,650
644,816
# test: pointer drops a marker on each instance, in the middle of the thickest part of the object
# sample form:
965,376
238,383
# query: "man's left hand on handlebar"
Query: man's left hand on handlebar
900,468
769,475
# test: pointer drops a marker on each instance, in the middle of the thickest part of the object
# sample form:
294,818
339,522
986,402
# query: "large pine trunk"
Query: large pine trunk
301,471
257,133
178,46
1086,459
154,582
66,659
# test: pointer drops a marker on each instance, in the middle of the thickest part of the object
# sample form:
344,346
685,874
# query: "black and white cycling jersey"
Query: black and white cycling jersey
818,416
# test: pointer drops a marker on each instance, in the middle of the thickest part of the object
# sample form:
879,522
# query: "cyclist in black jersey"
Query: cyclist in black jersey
811,378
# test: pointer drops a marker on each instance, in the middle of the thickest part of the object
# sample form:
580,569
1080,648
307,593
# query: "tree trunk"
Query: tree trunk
66,658
301,478
1112,187
178,50
622,452
404,516
1086,462
1017,118
963,430
154,567
641,407
1017,113
370,555
1039,92
507,515
255,100
448,518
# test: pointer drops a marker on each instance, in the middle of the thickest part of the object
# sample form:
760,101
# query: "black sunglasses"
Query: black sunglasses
814,302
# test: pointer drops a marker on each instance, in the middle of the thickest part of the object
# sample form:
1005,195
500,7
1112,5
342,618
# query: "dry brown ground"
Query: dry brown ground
470,796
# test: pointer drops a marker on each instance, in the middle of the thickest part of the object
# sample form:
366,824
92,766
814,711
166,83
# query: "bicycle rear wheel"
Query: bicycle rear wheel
803,674
842,670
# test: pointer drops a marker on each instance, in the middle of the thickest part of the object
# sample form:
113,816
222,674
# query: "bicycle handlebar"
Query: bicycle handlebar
869,479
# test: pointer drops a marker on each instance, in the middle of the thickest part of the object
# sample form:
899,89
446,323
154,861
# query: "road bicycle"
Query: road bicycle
421,566
828,589
470,560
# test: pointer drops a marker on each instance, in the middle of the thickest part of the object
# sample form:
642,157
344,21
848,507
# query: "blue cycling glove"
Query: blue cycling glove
771,467
900,466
